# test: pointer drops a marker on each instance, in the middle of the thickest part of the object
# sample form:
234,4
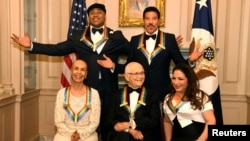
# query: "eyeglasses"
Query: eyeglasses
137,73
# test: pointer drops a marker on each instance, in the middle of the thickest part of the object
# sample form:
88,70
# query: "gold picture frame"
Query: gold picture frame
131,12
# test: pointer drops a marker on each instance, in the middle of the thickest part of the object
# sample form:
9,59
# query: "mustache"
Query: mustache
150,25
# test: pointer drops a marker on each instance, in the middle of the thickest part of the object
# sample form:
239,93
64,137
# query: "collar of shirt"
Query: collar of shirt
133,99
130,89
150,43
156,33
95,37
96,27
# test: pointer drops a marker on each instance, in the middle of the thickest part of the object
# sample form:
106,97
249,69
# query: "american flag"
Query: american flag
206,66
78,21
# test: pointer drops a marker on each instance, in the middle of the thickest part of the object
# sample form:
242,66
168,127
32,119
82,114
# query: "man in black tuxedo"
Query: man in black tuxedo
96,44
155,50
134,112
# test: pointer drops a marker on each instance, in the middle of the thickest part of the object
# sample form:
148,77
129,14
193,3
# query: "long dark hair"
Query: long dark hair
192,87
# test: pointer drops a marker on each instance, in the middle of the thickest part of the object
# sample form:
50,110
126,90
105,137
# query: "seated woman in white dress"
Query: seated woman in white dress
188,110
77,108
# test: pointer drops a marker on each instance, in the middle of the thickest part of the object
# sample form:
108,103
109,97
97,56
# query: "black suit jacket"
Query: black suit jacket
81,44
157,72
147,117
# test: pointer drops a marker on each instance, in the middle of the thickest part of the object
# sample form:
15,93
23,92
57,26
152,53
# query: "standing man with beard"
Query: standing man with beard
155,50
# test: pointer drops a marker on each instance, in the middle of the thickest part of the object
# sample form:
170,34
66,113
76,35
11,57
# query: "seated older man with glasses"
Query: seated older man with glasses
134,112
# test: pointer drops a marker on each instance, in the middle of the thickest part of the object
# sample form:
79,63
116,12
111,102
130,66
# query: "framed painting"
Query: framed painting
131,11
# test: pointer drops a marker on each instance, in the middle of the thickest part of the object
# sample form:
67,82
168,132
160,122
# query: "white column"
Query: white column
1,89
5,53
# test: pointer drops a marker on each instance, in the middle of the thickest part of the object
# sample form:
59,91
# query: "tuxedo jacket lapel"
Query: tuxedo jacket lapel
87,39
108,41
159,46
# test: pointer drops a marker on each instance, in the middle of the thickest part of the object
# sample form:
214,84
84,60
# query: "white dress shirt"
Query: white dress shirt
133,99
96,38
150,43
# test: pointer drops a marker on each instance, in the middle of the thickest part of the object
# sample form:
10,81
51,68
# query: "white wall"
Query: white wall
231,21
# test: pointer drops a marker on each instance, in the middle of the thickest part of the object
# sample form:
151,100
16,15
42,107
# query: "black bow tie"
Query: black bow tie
150,36
130,90
100,30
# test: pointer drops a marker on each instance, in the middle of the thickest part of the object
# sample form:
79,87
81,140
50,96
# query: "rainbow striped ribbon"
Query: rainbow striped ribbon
141,101
176,108
98,44
77,116
156,51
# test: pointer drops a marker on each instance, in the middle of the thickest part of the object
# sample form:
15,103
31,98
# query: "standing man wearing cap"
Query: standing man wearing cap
95,45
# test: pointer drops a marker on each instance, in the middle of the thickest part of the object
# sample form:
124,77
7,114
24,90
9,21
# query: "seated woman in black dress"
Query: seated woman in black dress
188,110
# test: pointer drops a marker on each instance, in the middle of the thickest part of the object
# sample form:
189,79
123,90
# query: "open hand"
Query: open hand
106,63
179,40
194,51
23,41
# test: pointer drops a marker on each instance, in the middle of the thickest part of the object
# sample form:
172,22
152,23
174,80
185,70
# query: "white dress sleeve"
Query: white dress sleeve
60,116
